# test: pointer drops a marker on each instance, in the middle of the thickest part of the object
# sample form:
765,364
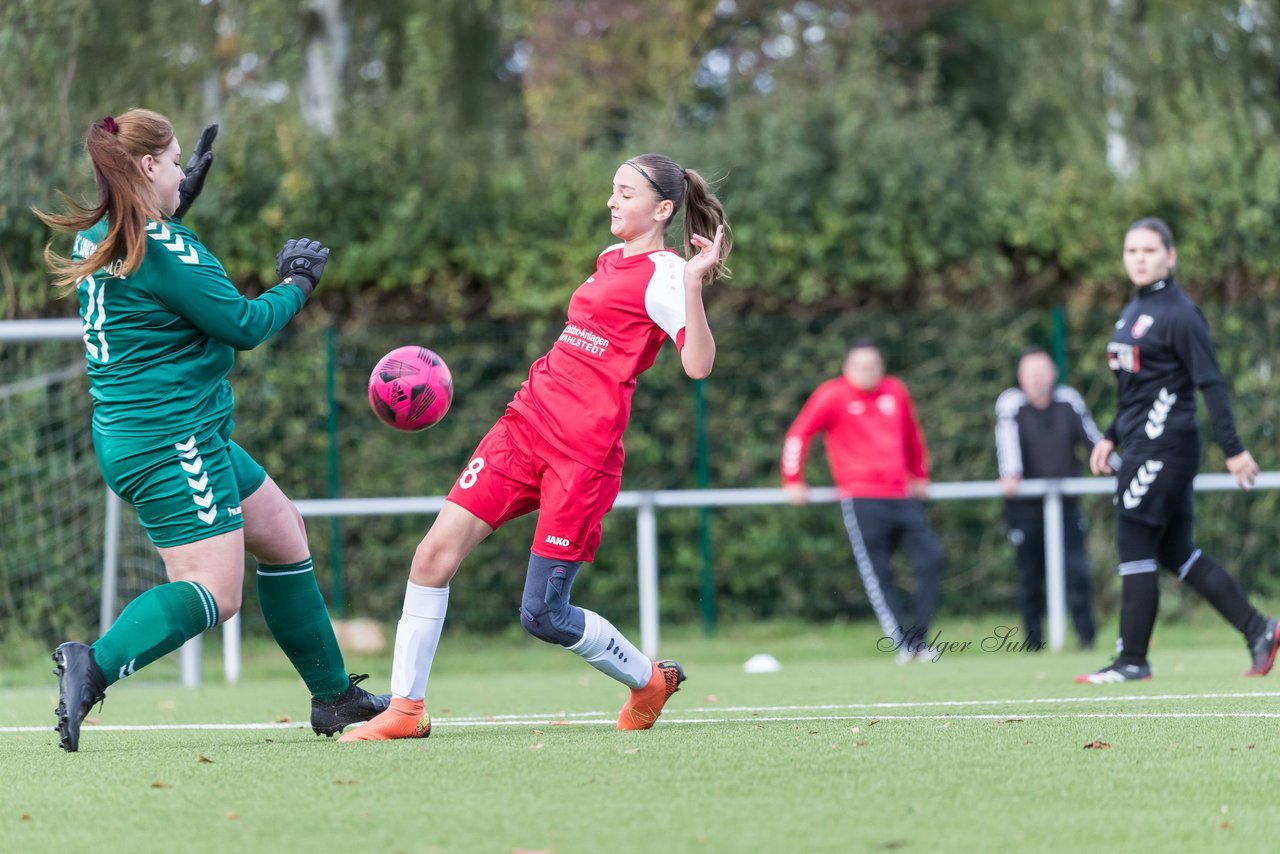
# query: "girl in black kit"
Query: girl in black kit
1161,353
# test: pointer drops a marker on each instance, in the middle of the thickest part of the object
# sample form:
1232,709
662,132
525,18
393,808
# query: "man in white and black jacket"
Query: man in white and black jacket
1039,428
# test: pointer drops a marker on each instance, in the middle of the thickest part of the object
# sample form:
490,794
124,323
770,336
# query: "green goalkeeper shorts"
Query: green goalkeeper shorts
185,487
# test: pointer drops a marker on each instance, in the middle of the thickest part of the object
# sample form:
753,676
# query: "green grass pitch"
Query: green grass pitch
839,751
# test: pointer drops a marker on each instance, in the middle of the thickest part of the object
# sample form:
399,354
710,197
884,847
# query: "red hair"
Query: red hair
125,197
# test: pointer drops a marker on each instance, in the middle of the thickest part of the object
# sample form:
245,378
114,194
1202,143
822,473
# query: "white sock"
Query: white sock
604,648
417,636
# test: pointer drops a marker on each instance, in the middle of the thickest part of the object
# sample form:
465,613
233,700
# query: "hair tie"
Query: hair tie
110,126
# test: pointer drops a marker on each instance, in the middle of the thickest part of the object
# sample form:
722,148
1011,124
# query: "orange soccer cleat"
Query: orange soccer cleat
645,704
403,719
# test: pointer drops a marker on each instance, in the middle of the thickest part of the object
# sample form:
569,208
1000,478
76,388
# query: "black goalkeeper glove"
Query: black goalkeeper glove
197,169
301,263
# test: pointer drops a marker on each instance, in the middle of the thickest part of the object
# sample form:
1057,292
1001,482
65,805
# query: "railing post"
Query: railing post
110,562
189,661
1055,577
647,572
231,649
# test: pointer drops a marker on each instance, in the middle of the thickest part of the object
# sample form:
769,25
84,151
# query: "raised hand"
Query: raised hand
697,267
197,168
301,262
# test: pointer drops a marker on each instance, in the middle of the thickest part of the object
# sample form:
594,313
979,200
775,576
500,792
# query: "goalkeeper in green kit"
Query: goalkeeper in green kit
162,323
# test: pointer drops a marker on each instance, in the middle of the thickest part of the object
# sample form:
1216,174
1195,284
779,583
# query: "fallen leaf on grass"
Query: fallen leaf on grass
25,817
344,782
537,746
92,720
1226,825
561,723
711,698
1097,744
233,816
859,744
855,729
204,760
872,723
284,719
160,785
632,750
536,731
1011,721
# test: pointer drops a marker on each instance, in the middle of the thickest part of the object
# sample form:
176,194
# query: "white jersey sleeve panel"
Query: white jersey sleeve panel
664,295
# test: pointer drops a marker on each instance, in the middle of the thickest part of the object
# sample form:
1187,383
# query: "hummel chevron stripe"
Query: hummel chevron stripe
187,255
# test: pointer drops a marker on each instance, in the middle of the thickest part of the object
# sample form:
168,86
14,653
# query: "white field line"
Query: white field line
909,704
754,714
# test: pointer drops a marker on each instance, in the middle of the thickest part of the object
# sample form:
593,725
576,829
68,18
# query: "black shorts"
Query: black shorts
1154,483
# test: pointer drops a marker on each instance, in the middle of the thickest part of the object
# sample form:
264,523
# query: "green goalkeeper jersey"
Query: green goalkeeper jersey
160,342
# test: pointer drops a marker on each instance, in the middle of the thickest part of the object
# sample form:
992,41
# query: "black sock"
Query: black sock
1140,599
1207,577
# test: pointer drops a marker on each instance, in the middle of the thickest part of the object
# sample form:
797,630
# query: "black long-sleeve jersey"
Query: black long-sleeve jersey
1161,353
1034,443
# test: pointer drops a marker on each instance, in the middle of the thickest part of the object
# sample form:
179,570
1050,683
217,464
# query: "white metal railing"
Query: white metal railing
646,505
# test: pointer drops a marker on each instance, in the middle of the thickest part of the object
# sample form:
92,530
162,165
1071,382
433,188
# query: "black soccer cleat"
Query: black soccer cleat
1263,650
80,686
355,705
1116,672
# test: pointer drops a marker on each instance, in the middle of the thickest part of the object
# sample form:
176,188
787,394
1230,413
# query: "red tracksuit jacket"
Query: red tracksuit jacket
874,441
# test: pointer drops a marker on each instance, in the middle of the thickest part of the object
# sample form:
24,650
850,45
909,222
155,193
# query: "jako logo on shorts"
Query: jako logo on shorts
563,542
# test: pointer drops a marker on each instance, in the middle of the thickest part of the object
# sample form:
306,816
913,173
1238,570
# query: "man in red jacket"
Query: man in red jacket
881,468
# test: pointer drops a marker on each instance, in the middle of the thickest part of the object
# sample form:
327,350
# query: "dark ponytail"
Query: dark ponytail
703,211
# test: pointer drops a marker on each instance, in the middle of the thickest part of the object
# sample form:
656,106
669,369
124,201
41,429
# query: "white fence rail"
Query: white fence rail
646,504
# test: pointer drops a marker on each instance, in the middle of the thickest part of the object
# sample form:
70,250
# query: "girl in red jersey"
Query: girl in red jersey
558,448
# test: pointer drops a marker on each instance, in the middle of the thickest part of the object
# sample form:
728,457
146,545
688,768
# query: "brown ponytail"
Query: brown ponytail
703,211
703,215
125,196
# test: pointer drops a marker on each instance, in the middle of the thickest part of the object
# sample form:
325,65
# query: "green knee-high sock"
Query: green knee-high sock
153,625
299,621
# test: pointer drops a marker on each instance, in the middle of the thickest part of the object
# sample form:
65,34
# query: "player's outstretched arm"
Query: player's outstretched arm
699,353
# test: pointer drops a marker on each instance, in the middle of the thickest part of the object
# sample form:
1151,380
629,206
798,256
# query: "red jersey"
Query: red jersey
578,396
874,441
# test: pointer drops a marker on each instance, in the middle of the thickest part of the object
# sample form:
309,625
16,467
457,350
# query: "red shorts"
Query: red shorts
515,471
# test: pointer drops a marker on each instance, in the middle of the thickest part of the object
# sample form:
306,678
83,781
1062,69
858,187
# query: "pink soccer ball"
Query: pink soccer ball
410,389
